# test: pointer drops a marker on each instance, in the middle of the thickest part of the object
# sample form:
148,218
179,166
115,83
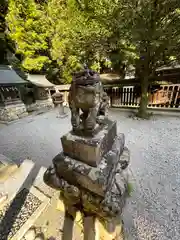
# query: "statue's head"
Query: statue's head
86,77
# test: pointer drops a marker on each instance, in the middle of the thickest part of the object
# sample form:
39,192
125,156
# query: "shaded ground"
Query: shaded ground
153,210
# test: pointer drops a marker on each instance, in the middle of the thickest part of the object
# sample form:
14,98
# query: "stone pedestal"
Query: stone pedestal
13,112
90,150
95,179
90,172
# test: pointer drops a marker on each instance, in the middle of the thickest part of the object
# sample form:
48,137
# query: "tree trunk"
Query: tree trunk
142,112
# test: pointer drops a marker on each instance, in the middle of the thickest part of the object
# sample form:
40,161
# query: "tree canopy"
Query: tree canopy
3,11
26,28
55,34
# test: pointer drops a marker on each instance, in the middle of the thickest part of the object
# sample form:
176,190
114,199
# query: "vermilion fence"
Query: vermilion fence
167,96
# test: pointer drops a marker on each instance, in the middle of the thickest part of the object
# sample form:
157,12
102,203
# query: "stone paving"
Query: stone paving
153,210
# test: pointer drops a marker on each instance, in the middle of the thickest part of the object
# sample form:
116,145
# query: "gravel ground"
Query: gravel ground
153,211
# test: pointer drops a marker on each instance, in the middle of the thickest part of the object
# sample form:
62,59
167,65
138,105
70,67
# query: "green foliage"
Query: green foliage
154,30
29,33
76,39
145,33
72,64
58,31
65,34
3,45
32,62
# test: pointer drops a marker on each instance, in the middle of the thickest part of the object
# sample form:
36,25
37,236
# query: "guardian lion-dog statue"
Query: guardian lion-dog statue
87,94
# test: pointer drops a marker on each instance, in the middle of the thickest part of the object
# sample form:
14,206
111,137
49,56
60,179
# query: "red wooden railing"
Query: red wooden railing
167,96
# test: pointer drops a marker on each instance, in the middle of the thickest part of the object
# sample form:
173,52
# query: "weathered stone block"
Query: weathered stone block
109,205
40,105
12,112
90,150
125,158
95,179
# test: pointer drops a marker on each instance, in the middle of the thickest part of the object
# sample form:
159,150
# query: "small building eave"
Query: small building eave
8,77
39,81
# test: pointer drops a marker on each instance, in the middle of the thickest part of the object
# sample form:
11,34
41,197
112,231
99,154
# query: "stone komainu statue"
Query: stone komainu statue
89,171
87,94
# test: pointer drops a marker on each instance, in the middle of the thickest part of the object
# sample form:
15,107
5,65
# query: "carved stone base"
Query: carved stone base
90,197
95,179
90,150
13,112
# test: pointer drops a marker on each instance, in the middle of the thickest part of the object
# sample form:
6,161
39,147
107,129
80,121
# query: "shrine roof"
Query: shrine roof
39,80
9,77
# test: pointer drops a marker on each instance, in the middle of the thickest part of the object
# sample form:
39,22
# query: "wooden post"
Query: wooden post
2,96
176,97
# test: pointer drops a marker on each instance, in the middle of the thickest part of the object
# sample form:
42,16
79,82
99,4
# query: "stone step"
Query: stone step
13,181
41,186
21,213
7,167
44,193
23,205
